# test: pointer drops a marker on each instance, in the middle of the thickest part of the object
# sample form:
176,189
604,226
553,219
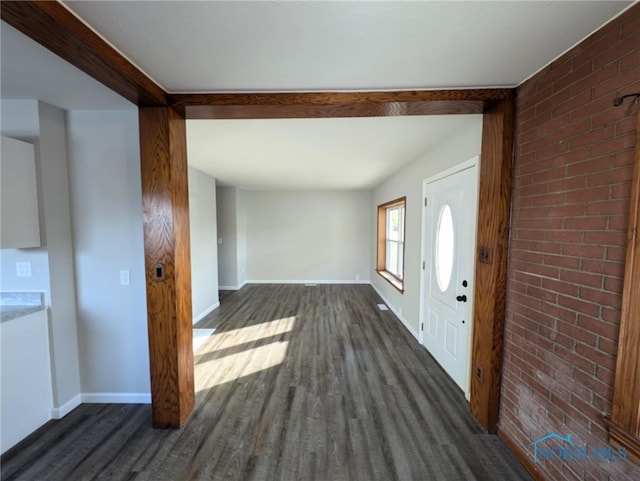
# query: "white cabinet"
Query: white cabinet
18,196
26,398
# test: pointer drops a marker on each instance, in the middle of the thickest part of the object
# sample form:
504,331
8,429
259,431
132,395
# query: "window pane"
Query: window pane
392,257
394,223
444,248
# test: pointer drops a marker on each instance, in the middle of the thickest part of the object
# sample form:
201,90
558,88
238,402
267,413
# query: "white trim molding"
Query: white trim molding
116,397
231,288
206,312
66,408
396,313
366,281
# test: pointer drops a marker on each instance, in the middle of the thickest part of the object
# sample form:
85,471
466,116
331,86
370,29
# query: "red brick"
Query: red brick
574,332
585,223
529,234
590,165
565,185
566,210
625,125
536,121
621,191
545,271
551,151
564,236
594,252
601,73
546,247
531,190
590,109
613,54
581,278
600,358
558,312
562,261
613,284
598,296
612,176
605,237
578,305
594,193
623,158
535,144
577,361
576,100
590,382
553,285
599,326
614,269
616,253
607,207
617,144
542,294
608,346
618,222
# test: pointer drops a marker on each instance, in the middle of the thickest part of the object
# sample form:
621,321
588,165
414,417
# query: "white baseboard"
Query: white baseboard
232,288
66,408
204,313
397,314
116,397
270,281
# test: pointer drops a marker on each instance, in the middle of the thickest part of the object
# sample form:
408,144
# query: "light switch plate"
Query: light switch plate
125,278
23,269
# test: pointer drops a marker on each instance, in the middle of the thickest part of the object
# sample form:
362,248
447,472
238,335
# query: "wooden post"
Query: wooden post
165,199
491,262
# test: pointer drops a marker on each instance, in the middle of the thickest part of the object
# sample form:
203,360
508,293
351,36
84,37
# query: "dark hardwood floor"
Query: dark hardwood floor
297,383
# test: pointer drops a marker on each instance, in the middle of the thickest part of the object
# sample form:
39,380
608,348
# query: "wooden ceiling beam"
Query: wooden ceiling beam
53,26
336,104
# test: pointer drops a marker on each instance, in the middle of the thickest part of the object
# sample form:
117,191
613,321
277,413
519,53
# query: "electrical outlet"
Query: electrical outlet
357,277
23,269
125,278
479,373
485,254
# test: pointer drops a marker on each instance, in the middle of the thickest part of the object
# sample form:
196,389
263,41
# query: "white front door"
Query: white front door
449,238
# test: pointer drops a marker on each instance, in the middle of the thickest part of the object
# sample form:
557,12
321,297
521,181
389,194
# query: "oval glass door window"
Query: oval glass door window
444,248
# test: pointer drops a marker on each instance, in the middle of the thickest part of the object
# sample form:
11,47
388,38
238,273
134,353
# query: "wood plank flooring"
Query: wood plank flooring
297,383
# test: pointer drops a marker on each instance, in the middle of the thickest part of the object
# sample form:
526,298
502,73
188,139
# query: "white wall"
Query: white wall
104,164
241,236
226,207
204,244
53,264
55,198
459,147
308,236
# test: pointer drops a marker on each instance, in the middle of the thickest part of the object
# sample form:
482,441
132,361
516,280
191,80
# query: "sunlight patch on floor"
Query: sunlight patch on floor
241,364
254,332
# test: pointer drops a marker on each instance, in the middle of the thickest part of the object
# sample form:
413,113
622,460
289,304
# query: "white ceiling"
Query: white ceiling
314,154
211,46
214,46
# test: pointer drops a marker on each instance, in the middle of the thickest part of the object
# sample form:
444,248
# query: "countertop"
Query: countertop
19,304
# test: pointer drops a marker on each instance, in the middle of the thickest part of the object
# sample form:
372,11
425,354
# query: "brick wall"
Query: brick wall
573,159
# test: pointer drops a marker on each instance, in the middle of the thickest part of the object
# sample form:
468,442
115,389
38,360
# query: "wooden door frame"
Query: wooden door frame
55,27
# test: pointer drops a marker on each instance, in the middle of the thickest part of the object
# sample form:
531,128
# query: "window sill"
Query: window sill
391,279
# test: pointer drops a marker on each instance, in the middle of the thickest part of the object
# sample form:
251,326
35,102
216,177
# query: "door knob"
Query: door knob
462,298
